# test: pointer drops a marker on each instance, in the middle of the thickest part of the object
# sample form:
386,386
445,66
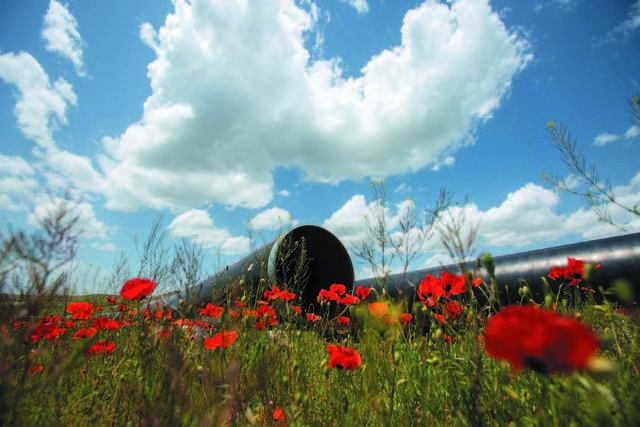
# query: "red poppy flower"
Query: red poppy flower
234,315
259,326
33,369
439,317
429,290
69,324
286,295
277,414
238,304
343,358
338,289
222,339
572,274
296,309
104,347
84,333
112,300
80,310
211,311
327,296
540,340
49,331
452,284
344,320
136,289
405,318
377,309
312,317
164,333
272,293
348,300
363,293
106,324
453,308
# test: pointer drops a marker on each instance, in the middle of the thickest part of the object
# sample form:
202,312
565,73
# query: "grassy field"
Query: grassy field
364,361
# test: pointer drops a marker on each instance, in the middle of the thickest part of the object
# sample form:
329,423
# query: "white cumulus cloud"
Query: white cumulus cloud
40,106
272,219
60,31
236,95
360,5
604,139
198,225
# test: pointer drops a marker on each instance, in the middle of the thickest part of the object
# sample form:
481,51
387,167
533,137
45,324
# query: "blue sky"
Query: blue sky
218,113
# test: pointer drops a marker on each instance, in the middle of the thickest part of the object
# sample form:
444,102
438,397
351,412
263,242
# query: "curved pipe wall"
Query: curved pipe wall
619,256
327,260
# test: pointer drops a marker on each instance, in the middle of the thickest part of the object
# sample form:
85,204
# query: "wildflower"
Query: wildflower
272,293
453,308
363,293
348,300
277,414
405,318
84,333
327,296
286,295
80,310
540,340
439,317
164,333
259,326
296,309
572,274
344,320
388,320
222,339
49,330
452,284
111,300
429,290
104,346
69,324
338,288
211,311
123,308
33,369
343,357
136,289
312,317
377,309
106,324
234,315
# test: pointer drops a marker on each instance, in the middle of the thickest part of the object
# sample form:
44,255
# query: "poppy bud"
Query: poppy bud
548,301
526,291
396,356
438,335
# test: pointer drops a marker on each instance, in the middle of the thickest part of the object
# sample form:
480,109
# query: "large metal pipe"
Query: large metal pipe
619,256
307,259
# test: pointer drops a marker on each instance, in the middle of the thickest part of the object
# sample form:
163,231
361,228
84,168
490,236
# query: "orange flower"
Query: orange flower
222,339
378,309
136,289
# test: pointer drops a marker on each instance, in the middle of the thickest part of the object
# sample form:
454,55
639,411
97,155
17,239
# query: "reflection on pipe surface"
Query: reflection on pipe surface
619,256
